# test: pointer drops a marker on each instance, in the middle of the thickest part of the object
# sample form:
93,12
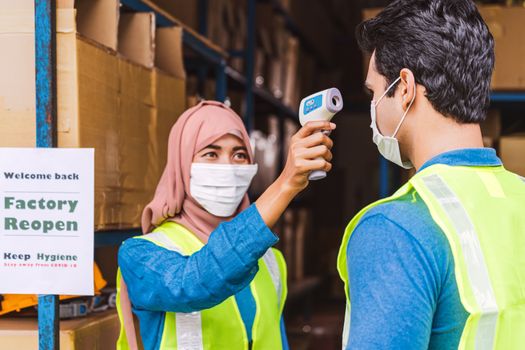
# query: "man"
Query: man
441,264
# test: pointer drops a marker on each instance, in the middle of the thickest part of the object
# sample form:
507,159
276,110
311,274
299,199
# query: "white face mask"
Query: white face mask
220,188
388,146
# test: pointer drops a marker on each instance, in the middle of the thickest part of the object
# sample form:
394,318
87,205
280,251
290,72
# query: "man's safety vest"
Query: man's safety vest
481,211
220,327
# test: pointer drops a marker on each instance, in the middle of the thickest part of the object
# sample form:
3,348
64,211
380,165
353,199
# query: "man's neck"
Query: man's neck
441,135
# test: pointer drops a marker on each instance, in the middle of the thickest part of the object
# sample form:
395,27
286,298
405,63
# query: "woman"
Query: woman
205,276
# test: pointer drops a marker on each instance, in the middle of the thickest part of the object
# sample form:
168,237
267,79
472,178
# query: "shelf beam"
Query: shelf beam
513,97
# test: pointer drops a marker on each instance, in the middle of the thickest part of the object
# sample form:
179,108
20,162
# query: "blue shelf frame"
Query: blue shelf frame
46,115
507,97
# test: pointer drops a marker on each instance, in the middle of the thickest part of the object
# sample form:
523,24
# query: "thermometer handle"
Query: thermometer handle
318,174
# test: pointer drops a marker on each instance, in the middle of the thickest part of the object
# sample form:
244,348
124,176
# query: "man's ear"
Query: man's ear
407,87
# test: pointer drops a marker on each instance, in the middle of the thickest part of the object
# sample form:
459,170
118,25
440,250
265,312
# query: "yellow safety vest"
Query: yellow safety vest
481,210
220,327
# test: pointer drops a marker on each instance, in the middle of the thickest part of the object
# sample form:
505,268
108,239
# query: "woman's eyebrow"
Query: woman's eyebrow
240,148
215,147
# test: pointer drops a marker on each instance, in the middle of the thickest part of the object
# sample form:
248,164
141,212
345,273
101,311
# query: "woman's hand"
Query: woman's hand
309,151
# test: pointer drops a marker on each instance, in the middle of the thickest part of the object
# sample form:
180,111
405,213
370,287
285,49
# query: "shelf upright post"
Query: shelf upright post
221,83
46,116
250,65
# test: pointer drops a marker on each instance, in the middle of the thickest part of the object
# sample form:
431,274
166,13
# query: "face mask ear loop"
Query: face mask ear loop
405,114
386,91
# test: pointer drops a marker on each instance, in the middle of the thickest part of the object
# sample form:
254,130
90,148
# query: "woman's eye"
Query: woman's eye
241,156
210,155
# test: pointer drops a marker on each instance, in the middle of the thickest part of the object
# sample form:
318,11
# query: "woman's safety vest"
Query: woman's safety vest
220,327
481,210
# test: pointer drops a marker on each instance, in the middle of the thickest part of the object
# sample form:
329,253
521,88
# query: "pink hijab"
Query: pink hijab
195,129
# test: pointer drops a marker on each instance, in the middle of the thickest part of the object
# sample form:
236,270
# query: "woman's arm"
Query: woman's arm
307,145
163,280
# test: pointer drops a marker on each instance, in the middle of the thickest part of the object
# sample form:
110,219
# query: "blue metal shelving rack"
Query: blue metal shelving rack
46,115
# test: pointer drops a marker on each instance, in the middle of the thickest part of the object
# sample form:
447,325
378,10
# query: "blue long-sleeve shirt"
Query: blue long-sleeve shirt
160,280
401,271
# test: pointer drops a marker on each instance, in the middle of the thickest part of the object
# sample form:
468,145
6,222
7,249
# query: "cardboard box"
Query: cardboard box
512,153
217,27
170,102
17,69
316,22
136,153
238,33
95,332
103,30
168,51
308,77
291,94
220,22
259,71
506,26
136,37
276,77
187,11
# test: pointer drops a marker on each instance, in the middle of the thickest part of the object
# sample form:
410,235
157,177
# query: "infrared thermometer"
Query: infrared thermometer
322,105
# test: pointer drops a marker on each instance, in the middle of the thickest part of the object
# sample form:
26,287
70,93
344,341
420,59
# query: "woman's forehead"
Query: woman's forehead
228,139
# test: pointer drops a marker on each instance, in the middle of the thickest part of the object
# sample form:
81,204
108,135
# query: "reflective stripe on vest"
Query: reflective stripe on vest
188,325
271,263
346,325
474,259
164,241
187,336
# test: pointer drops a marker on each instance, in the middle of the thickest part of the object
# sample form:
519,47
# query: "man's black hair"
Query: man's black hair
445,43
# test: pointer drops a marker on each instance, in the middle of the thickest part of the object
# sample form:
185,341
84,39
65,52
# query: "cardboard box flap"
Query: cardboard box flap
168,51
136,37
98,20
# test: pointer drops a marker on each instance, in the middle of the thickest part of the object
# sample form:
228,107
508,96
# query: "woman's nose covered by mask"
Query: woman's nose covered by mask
220,188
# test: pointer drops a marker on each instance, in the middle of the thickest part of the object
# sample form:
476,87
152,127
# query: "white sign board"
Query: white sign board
46,221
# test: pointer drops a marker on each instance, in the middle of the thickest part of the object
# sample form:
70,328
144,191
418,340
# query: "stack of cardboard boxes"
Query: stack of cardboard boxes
117,92
277,57
277,51
225,24
94,332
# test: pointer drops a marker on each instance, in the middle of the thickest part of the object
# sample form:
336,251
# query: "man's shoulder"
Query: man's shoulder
407,215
